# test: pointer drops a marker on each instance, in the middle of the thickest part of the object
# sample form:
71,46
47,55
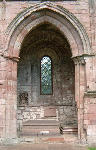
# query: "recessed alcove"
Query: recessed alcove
45,40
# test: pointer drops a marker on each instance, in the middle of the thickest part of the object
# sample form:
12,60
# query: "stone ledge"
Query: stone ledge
41,122
8,141
90,94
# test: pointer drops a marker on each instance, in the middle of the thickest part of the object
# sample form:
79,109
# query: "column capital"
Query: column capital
79,60
12,58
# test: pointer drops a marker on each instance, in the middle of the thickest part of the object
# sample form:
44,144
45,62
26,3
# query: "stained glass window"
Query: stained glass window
46,75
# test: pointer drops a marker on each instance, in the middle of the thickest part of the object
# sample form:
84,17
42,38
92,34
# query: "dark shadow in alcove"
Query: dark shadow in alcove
47,40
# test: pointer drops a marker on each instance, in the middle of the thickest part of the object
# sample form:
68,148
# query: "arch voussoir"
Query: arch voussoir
60,17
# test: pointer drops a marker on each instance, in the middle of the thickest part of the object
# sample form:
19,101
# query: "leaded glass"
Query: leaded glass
46,75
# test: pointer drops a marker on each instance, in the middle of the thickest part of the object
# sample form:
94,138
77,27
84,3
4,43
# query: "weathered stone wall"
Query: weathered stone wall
63,76
29,81
90,116
84,11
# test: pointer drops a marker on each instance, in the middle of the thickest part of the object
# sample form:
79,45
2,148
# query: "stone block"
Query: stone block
91,130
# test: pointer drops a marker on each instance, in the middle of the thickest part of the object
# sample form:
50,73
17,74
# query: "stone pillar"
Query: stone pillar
90,73
80,87
11,97
81,97
90,116
3,10
2,97
90,100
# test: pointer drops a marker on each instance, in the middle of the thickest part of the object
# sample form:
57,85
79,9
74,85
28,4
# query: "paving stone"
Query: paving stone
43,147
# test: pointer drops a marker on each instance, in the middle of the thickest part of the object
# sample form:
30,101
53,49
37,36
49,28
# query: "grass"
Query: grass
91,148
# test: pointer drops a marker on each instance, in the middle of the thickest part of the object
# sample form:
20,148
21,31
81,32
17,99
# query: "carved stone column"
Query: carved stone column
2,97
3,10
11,97
80,86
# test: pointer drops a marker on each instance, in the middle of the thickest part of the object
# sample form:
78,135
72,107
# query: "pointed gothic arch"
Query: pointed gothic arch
67,23
69,26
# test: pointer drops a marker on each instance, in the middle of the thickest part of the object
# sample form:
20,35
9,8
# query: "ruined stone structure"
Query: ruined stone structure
64,32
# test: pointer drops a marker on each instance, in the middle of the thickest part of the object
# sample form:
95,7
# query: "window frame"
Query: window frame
51,76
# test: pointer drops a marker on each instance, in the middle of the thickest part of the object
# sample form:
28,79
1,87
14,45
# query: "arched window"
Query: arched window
46,75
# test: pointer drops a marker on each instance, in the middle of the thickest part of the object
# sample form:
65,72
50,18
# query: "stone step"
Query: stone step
43,139
45,128
41,134
41,123
68,129
51,138
40,127
40,131
54,140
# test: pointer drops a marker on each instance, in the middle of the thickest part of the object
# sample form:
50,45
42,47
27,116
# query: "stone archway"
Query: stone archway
70,28
57,107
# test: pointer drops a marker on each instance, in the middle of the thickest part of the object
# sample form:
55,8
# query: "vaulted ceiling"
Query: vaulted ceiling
45,36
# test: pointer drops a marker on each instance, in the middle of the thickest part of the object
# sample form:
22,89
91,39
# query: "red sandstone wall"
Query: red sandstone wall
9,10
86,15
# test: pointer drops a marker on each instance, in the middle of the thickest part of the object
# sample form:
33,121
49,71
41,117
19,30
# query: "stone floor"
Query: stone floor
30,146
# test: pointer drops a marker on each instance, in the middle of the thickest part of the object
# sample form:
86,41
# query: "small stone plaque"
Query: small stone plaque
50,111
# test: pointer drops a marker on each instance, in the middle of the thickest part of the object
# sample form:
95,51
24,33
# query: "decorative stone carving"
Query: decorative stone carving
23,98
13,58
79,60
55,8
90,94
